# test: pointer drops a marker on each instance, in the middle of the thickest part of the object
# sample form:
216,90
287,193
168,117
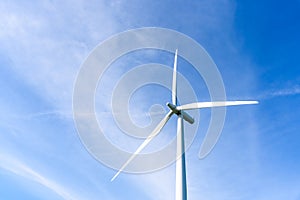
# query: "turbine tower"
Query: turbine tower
179,110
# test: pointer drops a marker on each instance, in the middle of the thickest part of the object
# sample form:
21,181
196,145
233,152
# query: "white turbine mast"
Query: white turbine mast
179,110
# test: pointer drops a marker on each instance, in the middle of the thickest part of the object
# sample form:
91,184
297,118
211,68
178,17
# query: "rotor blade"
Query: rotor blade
214,104
174,82
146,142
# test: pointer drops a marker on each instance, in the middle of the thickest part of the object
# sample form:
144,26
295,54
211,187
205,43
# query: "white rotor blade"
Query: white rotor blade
214,104
145,143
174,82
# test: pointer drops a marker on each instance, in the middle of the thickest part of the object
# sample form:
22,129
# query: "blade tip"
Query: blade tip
115,176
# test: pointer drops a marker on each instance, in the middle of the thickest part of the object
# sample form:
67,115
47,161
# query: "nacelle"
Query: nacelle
187,117
184,115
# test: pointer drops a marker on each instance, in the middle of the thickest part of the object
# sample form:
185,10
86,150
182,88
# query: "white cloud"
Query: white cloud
295,90
21,169
47,43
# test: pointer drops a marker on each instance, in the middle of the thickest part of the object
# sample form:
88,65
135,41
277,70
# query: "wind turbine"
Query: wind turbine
179,110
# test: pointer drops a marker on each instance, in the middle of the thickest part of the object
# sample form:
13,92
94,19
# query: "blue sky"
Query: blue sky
255,46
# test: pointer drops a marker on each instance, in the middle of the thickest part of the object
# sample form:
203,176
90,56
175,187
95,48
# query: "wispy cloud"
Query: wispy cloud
286,92
18,168
47,42
294,90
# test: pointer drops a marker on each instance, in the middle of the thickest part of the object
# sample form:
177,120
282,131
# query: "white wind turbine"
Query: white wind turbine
181,186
